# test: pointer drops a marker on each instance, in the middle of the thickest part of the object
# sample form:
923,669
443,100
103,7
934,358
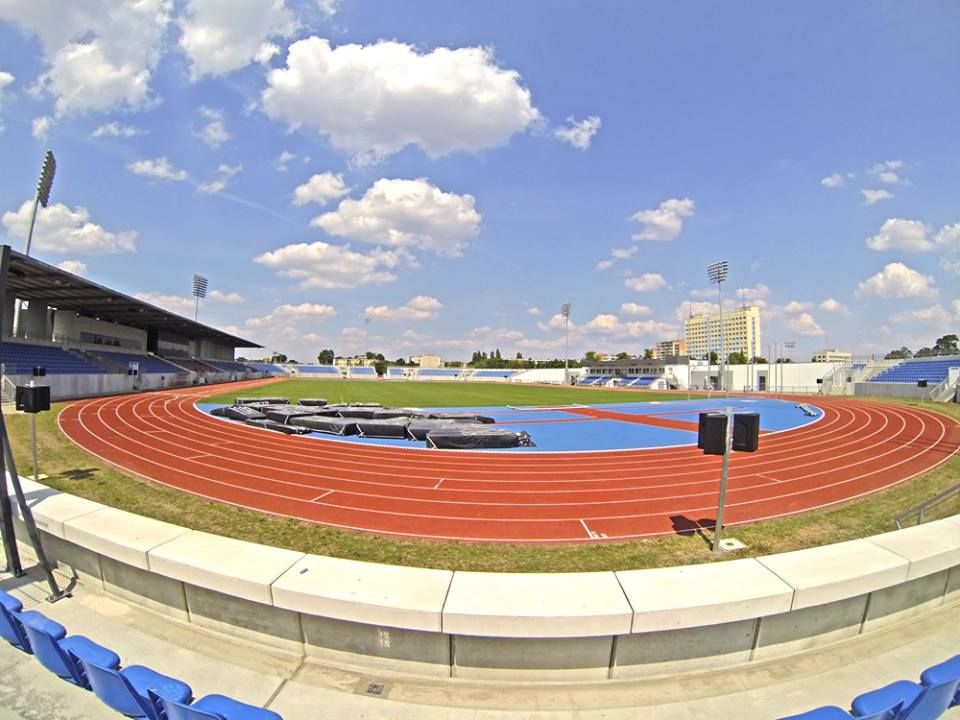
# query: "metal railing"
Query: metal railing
920,509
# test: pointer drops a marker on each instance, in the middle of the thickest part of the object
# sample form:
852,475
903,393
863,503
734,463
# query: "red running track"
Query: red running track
857,448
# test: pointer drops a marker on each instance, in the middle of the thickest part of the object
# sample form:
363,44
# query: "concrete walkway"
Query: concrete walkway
303,690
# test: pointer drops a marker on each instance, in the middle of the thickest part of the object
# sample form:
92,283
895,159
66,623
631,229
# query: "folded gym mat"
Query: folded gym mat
476,438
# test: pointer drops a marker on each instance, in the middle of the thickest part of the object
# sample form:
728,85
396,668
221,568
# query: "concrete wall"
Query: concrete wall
70,325
898,390
504,627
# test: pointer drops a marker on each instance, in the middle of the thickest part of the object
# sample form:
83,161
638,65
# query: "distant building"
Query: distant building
429,362
669,348
741,333
355,361
832,355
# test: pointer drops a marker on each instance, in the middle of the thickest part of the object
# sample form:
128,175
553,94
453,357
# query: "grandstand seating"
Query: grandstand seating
395,373
641,381
317,370
227,366
148,363
858,366
592,379
933,370
265,367
21,358
493,373
194,365
365,372
438,372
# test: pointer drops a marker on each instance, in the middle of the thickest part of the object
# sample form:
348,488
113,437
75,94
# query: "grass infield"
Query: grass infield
72,470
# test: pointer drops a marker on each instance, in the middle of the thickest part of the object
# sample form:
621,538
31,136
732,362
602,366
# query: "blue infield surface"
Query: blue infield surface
563,430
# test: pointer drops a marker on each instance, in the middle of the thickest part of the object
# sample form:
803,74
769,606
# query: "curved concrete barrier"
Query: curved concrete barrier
503,626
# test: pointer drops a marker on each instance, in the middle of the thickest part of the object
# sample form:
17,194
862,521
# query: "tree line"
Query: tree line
946,345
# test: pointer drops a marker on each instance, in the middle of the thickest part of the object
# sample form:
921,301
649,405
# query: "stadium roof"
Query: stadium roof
31,279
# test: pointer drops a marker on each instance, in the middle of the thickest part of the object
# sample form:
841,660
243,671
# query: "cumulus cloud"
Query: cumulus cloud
230,298
214,132
100,54
6,79
648,282
624,253
421,307
634,309
73,266
795,306
897,234
896,280
604,265
115,129
406,213
535,311
41,126
158,169
871,197
578,134
664,222
292,315
283,160
606,324
220,179
935,315
833,306
949,240
174,303
62,230
220,36
804,324
373,100
321,189
887,172
833,181
325,266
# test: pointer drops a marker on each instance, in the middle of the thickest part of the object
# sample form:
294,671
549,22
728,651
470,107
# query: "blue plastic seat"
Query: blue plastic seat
10,628
944,672
58,653
211,707
126,690
886,703
827,712
932,702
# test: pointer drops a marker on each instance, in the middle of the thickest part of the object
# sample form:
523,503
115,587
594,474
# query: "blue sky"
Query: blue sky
435,177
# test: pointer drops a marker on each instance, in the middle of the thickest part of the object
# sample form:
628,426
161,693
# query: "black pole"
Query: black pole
6,511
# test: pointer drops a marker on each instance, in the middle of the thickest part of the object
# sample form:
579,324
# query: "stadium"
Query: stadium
537,363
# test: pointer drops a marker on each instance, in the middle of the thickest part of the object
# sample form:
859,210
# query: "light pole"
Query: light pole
717,273
42,197
565,312
199,291
787,345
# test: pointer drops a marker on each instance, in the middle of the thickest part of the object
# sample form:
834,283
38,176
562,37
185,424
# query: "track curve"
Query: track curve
857,448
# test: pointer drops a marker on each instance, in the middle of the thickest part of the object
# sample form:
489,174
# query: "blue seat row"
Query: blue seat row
937,691
135,690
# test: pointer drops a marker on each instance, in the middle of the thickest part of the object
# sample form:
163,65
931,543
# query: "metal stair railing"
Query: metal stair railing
920,509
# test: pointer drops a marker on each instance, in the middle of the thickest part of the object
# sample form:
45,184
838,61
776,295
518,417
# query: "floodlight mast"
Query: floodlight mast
43,193
199,291
717,273
565,312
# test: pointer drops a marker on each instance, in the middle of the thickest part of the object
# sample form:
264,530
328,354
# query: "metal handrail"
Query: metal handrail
921,508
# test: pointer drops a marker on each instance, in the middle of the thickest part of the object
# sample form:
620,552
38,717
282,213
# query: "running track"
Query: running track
857,448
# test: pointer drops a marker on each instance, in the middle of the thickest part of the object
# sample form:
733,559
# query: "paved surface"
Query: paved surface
855,449
300,690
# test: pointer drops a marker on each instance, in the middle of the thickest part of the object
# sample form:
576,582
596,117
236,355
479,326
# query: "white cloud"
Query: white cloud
220,36
406,213
373,100
6,79
554,323
896,280
832,181
214,133
794,307
283,160
886,172
949,237
756,295
871,197
325,266
685,309
74,266
604,265
664,222
535,311
220,180
956,309
41,127
833,306
230,298
174,303
114,129
606,324
291,315
422,307
100,54
897,234
578,134
648,282
804,324
935,315
634,309
62,230
624,253
321,189
158,168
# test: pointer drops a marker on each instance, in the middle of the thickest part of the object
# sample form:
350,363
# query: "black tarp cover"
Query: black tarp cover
219,411
419,427
383,428
262,401
283,414
476,438
243,412
279,427
331,425
312,402
463,417
357,412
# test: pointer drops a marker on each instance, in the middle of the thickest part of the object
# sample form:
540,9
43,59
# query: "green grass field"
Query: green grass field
443,394
71,470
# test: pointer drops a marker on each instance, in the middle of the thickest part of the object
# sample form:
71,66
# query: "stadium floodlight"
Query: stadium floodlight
565,312
717,273
42,197
199,291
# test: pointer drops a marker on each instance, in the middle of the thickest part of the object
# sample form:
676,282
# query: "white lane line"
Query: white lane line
590,533
767,477
320,497
439,482
197,457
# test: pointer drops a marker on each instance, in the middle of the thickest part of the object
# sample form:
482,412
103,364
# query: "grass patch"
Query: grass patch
72,470
444,394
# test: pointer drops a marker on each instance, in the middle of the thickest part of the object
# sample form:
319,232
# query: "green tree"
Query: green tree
591,356
947,345
648,354
714,358
902,354
760,359
325,357
519,356
737,358
925,352
381,367
623,356
278,358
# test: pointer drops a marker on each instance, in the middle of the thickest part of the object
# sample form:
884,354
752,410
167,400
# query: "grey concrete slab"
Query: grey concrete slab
898,602
160,594
930,548
698,595
829,573
811,627
51,510
536,605
120,535
383,595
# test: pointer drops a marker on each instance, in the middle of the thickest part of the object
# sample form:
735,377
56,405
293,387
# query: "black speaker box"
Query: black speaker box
921,383
712,435
33,399
746,432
